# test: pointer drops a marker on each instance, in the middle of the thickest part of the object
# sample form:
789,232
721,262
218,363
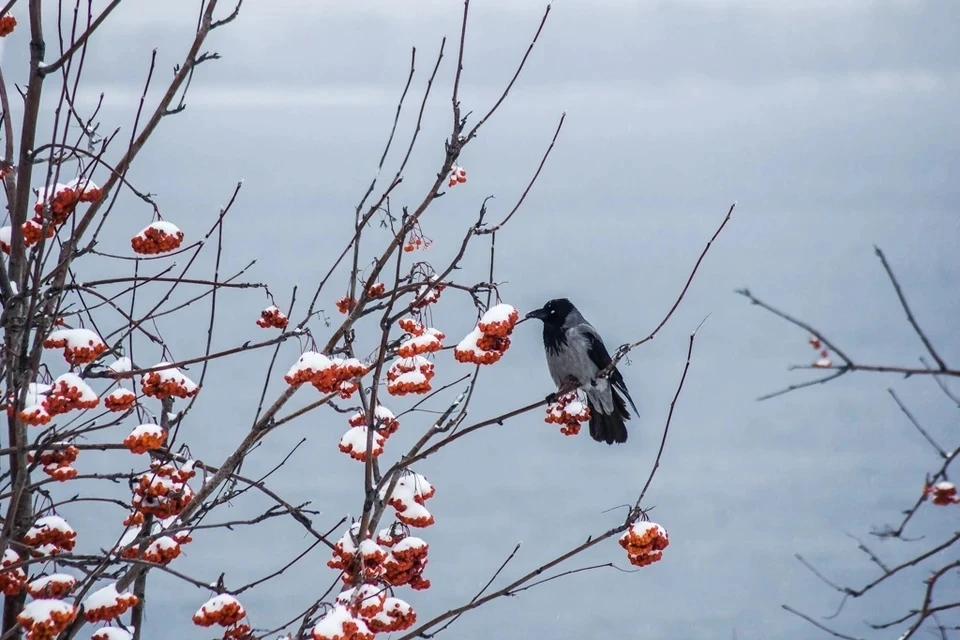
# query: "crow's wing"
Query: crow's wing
599,356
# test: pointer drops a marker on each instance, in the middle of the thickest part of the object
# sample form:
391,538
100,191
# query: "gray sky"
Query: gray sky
832,123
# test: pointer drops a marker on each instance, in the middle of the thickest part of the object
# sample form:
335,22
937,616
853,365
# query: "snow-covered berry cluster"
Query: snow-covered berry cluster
58,585
423,340
327,375
119,400
157,237
487,343
569,412
395,558
458,175
47,618
145,437
644,543
106,604
223,610
11,580
168,382
80,346
409,375
272,317
408,498
354,441
823,355
50,535
58,462
942,493
163,491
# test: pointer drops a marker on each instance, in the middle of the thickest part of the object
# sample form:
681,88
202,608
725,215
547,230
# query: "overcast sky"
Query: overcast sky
832,123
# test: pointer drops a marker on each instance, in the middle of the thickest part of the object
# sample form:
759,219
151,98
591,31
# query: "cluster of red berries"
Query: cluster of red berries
487,343
644,543
376,290
58,203
157,237
341,624
11,580
381,613
395,557
416,240
223,610
80,346
272,317
942,493
569,412
145,437
50,535
410,375
409,497
107,604
46,619
346,304
458,175
168,383
163,491
69,392
58,585
7,25
119,400
424,340
57,463
327,375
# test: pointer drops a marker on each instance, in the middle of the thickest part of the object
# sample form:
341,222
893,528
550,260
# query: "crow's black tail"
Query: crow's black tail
609,427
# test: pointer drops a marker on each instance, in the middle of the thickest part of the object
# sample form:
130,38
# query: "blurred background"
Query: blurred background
832,124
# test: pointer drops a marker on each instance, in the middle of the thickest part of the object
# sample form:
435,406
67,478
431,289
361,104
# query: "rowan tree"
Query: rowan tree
90,375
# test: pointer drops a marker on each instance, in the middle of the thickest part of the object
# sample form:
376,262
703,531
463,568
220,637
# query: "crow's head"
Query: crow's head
554,312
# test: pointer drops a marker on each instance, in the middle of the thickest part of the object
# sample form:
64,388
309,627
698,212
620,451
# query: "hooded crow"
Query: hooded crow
575,350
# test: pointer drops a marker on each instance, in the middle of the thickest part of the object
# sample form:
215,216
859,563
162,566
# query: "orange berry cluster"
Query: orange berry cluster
382,614
943,493
644,542
11,580
119,400
56,463
824,361
327,375
272,317
146,437
430,295
411,326
7,25
346,304
51,535
224,610
406,562
458,175
341,624
487,343
408,498
417,240
427,341
157,237
377,289
409,375
168,383
163,491
354,443
106,604
56,586
133,518
161,551
385,422
395,615
46,619
569,412
69,392
33,231
80,346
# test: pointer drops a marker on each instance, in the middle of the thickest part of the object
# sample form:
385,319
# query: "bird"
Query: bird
576,351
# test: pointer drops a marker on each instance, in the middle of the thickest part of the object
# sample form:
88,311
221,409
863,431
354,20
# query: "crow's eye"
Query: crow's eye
552,311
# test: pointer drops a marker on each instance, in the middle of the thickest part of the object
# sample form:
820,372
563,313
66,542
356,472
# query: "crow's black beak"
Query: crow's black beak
539,314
